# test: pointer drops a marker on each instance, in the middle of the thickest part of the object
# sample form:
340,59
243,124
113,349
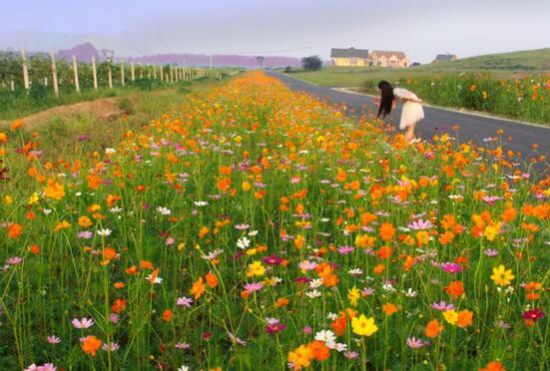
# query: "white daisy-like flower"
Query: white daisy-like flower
355,272
110,151
243,243
341,347
318,282
388,287
410,293
183,368
332,316
47,211
164,210
104,232
313,294
115,210
157,280
201,203
327,337
325,220
252,233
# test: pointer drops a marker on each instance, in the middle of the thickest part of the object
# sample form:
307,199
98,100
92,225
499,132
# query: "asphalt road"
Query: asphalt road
471,127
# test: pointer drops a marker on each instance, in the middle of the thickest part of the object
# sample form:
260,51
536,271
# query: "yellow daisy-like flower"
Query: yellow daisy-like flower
501,276
353,295
451,316
363,326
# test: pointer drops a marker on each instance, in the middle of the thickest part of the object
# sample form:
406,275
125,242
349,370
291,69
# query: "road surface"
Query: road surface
471,127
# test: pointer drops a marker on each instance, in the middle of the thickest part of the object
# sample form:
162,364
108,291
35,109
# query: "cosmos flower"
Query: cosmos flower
84,323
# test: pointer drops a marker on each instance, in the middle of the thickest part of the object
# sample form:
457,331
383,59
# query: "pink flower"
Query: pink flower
52,339
420,224
84,323
184,301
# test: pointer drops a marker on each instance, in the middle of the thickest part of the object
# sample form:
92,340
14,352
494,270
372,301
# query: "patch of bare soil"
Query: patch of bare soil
106,109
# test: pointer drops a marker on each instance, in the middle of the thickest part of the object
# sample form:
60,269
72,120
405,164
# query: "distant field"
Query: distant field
506,65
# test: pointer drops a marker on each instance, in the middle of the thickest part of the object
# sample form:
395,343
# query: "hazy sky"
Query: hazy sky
421,28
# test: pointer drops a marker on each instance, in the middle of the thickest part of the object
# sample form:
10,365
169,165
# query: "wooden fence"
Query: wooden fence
165,73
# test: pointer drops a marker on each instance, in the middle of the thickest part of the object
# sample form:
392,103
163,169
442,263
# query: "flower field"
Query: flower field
258,228
526,98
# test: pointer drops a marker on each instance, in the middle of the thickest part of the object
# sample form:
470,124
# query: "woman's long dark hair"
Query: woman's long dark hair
386,98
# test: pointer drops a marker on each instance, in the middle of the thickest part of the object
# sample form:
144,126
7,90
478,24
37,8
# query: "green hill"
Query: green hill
502,65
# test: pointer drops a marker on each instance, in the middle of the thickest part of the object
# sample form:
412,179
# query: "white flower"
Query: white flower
47,211
318,282
110,151
340,347
157,280
243,243
104,232
327,337
313,294
183,368
201,203
355,272
252,233
325,220
164,210
388,287
410,293
332,316
115,209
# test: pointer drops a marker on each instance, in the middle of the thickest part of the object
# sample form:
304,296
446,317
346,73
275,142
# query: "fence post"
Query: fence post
155,71
161,73
171,74
133,72
149,72
12,84
94,73
122,73
140,70
25,69
76,82
110,75
54,75
45,81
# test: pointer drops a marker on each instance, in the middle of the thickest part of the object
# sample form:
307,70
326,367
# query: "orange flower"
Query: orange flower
91,345
465,318
319,350
386,232
379,269
389,309
198,288
35,249
119,305
211,279
14,230
493,366
167,315
385,252
339,325
146,264
281,302
433,329
300,357
54,190
455,289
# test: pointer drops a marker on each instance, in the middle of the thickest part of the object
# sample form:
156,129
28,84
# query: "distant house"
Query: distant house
444,58
383,58
350,57
363,58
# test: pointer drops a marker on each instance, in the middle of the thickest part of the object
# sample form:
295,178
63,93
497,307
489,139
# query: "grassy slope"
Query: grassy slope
500,65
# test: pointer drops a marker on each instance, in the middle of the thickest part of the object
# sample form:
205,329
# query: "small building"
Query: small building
383,58
444,58
350,57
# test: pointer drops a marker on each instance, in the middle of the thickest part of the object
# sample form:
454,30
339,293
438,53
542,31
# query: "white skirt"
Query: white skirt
412,113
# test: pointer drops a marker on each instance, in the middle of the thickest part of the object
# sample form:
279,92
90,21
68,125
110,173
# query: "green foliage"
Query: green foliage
312,63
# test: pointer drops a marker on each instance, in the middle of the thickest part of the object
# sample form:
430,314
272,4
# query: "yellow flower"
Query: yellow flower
501,276
54,190
363,326
353,295
255,269
450,316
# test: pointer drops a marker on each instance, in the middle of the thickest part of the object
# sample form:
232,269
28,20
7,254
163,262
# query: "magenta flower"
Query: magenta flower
451,267
533,315
307,330
274,326
273,260
235,339
82,324
113,317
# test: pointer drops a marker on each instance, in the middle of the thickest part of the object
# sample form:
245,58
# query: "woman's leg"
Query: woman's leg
409,134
